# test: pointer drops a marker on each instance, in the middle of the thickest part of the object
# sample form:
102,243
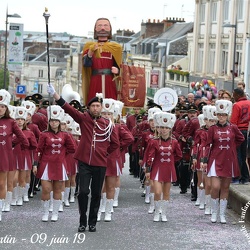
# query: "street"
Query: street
131,228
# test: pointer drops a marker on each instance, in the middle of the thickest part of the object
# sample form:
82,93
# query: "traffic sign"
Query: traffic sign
21,90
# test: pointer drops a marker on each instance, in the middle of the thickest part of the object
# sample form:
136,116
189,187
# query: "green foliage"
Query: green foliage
178,72
2,78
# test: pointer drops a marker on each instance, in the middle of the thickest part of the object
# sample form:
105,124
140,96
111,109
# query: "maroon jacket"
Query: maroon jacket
93,153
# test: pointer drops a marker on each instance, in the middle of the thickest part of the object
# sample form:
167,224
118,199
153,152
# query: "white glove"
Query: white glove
50,89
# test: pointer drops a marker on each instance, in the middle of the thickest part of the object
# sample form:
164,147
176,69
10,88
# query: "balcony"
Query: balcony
177,77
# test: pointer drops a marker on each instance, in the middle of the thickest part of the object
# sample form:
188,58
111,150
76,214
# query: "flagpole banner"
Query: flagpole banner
15,52
133,92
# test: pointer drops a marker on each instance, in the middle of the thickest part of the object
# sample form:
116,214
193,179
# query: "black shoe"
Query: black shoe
36,188
193,198
92,228
81,228
175,184
183,191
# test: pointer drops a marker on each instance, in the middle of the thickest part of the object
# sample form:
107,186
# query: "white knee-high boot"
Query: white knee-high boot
214,209
108,214
61,205
51,202
147,195
56,205
164,205
152,204
117,191
25,195
14,196
202,199
157,211
45,208
223,206
103,203
66,197
21,191
72,194
7,201
197,203
208,204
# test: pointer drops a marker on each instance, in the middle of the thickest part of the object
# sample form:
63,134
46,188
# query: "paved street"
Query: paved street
131,228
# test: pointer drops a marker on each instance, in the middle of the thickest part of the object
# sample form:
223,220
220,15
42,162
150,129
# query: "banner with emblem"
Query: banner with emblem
133,88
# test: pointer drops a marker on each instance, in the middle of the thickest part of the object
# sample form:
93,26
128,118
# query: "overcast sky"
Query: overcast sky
77,17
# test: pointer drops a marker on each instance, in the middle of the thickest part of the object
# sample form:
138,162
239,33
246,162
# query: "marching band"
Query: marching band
190,147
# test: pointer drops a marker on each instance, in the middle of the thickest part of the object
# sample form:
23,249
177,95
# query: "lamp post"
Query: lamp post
5,46
234,26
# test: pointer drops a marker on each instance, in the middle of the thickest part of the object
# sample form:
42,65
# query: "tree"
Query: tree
2,78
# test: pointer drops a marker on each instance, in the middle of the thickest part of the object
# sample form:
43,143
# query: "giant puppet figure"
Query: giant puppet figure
101,63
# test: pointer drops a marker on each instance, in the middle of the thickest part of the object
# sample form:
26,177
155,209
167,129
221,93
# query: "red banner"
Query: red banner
133,92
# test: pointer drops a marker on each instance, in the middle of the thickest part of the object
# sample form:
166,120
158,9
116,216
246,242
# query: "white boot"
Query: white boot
147,196
103,203
208,204
117,191
45,206
223,206
202,199
152,204
7,201
51,202
214,209
21,191
1,206
66,197
157,211
108,214
61,205
14,196
56,205
25,195
164,205
197,203
72,194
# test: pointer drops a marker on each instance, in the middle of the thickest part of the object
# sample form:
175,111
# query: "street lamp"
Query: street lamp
5,46
227,25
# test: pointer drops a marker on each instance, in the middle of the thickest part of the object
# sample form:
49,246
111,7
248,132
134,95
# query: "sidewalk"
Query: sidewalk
239,197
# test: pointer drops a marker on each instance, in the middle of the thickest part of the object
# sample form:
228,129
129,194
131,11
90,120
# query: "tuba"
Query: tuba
68,94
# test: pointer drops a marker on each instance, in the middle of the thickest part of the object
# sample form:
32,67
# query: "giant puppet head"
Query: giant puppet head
102,29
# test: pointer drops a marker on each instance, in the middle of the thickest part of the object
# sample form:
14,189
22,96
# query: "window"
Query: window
211,59
200,57
240,9
224,59
203,12
214,12
40,73
226,11
238,59
40,88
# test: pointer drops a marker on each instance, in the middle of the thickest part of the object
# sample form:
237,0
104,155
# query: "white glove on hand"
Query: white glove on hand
50,89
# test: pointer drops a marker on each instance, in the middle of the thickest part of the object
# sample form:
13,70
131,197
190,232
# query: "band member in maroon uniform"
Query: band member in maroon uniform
146,137
220,159
8,127
31,108
98,139
23,157
163,152
52,148
114,163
